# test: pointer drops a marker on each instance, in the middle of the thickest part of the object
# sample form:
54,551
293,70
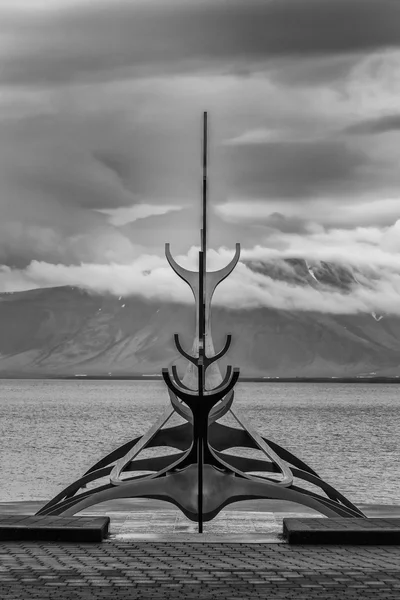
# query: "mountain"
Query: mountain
68,331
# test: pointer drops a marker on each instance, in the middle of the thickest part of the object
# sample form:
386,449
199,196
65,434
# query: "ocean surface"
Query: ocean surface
52,431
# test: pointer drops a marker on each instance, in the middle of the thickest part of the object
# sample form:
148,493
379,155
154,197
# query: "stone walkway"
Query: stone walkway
155,553
183,570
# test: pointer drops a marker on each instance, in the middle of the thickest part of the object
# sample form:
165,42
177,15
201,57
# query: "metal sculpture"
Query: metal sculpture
201,478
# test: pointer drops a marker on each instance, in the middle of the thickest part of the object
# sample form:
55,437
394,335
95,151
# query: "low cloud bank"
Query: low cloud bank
336,271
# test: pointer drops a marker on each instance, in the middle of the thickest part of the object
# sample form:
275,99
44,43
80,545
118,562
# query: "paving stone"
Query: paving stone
212,566
225,571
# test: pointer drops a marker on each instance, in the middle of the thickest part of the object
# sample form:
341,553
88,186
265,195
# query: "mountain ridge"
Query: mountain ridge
67,331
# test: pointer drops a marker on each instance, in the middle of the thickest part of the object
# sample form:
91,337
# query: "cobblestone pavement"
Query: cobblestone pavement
120,570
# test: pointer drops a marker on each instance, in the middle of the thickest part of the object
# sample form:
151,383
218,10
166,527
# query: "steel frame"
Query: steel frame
202,478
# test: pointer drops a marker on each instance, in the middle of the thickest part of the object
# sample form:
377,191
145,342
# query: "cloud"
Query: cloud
109,39
293,169
363,247
123,215
287,224
101,105
316,213
314,71
338,272
51,182
20,242
385,124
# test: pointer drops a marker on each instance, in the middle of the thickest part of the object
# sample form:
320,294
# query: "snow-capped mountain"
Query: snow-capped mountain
67,330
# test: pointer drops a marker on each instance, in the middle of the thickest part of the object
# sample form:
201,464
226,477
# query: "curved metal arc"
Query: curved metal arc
230,489
177,379
214,278
341,510
180,349
115,476
287,475
225,380
257,488
211,397
182,393
190,277
329,490
226,464
245,464
71,490
150,464
230,437
155,463
114,455
218,393
72,499
90,497
289,457
182,410
224,437
219,411
178,436
210,359
100,469
332,493
70,503
245,475
164,470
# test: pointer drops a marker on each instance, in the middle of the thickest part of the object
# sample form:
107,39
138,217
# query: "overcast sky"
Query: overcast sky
100,121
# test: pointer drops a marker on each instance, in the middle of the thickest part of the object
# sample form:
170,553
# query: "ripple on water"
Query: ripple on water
52,431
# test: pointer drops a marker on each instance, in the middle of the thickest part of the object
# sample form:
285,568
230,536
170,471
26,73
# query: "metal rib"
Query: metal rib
287,475
190,277
211,359
185,354
115,476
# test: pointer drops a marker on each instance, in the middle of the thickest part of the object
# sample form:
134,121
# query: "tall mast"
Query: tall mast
203,250
200,400
201,366
205,184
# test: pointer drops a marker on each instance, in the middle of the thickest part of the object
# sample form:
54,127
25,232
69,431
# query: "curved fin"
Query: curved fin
114,455
115,475
182,410
287,475
214,278
210,359
188,356
71,490
190,277
219,411
182,393
226,386
177,379
181,489
290,458
225,380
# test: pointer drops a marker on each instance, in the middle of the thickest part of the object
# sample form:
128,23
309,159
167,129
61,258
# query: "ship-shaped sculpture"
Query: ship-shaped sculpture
201,478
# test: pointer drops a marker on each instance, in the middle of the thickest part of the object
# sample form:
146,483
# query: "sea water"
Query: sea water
52,431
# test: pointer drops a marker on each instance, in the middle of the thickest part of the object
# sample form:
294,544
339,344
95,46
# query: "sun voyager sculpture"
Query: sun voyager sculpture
201,477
